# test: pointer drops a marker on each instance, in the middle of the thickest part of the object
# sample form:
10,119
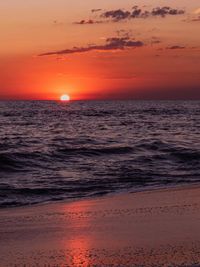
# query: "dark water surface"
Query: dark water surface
52,151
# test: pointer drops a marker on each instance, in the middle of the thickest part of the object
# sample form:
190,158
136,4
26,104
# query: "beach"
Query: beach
100,133
150,228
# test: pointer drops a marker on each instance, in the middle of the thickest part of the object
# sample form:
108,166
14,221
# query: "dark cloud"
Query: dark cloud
114,43
117,15
176,47
85,22
164,11
136,12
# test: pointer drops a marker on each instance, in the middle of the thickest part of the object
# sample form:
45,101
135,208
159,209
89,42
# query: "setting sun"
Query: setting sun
65,98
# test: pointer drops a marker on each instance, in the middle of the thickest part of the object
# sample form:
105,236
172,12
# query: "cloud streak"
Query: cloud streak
96,10
164,11
136,12
111,44
193,19
117,15
196,19
174,47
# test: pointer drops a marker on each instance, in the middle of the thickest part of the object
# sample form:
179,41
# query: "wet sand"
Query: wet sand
155,228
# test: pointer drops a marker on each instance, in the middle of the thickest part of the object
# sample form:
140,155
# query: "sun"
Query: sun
65,97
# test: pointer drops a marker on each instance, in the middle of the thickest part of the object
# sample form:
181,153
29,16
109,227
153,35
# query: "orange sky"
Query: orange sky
153,56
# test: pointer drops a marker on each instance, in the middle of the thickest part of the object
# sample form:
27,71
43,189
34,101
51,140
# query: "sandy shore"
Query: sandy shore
158,228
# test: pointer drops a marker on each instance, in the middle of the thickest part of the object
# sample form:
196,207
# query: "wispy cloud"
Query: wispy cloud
86,22
114,43
96,10
195,19
173,47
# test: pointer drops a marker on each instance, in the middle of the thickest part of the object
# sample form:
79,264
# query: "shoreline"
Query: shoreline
148,228
149,189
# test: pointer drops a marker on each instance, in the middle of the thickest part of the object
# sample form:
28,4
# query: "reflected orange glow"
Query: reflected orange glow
79,251
80,243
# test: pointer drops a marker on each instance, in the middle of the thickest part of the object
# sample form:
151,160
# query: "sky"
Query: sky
108,49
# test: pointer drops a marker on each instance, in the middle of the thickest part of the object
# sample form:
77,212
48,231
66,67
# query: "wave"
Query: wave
50,151
143,151
8,164
97,151
170,149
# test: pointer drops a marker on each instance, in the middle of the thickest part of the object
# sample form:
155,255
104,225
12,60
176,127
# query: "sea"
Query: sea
53,151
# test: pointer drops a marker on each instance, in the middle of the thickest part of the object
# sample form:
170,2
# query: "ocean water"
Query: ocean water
52,151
